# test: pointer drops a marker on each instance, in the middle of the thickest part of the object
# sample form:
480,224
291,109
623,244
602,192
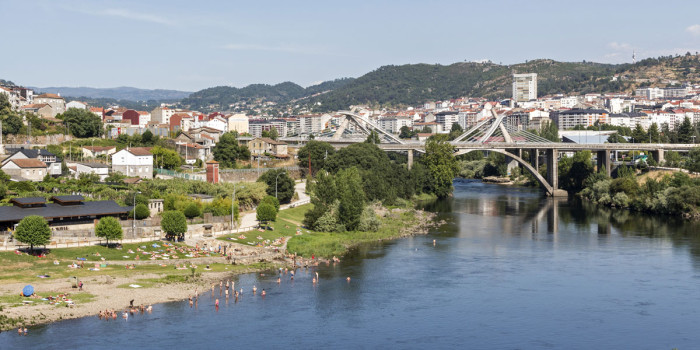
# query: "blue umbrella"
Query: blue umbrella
28,290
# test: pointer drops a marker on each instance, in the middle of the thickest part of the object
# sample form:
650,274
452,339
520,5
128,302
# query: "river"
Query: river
510,270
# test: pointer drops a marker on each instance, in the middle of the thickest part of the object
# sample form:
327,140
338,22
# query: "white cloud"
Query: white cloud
122,14
694,29
144,17
281,48
620,46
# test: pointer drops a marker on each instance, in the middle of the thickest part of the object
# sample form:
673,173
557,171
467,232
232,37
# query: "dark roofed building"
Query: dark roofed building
65,210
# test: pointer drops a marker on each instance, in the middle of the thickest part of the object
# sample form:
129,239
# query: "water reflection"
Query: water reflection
520,207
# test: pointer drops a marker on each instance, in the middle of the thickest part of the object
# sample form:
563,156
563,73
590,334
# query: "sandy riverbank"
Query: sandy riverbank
107,294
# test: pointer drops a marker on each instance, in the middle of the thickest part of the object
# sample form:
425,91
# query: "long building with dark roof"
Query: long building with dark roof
65,210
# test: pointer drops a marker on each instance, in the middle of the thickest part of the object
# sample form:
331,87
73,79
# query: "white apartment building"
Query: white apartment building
238,122
76,104
446,119
313,123
134,162
524,87
395,123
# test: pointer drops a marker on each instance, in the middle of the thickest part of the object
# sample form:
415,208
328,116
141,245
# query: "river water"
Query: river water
510,270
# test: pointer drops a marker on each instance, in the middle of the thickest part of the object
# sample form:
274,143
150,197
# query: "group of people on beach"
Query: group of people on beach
131,310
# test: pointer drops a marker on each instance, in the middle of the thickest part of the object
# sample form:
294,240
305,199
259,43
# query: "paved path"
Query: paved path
250,220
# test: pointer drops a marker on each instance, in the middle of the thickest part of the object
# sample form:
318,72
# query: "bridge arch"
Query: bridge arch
542,181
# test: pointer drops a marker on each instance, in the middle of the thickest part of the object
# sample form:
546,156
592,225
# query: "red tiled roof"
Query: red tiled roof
29,163
140,151
50,96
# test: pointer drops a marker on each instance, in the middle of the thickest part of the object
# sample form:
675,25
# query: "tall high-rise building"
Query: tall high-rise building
524,87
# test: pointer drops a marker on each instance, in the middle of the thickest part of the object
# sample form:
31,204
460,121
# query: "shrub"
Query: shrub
369,221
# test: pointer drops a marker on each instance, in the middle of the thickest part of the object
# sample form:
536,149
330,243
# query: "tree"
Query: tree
639,135
33,230
352,197
271,200
278,184
442,166
455,131
373,137
314,153
653,133
323,196
550,132
166,158
274,134
405,132
141,211
147,138
616,138
575,171
12,124
685,131
265,213
82,123
427,130
109,228
693,162
227,151
192,210
173,223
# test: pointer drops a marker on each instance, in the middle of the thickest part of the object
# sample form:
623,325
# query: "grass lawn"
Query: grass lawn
328,244
285,226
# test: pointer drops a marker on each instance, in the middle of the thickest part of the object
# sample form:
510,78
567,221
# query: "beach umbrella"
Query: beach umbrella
28,290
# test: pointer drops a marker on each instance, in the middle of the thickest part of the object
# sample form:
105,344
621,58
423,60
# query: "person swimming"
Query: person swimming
263,293
255,289
348,279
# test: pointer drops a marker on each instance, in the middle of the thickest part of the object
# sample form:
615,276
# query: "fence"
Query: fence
256,170
186,176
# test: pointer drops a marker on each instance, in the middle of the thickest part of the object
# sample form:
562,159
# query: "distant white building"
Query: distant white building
76,104
135,161
524,87
238,123
99,169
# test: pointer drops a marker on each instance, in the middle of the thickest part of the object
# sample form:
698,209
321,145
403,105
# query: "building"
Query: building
584,117
238,123
57,103
446,119
135,161
312,123
524,87
257,126
43,110
99,169
52,163
25,169
262,146
96,151
76,104
155,206
213,172
162,115
65,212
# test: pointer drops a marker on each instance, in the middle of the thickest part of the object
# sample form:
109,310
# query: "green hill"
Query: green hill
414,84
222,97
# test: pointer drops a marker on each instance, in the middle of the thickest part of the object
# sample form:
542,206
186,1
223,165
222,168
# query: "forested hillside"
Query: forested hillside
414,84
222,97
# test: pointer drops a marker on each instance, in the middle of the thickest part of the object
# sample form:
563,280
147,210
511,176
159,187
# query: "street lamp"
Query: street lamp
276,183
232,200
133,219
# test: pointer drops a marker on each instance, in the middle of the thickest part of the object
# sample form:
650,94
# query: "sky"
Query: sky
192,45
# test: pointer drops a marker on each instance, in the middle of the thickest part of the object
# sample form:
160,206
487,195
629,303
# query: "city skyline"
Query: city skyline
185,46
